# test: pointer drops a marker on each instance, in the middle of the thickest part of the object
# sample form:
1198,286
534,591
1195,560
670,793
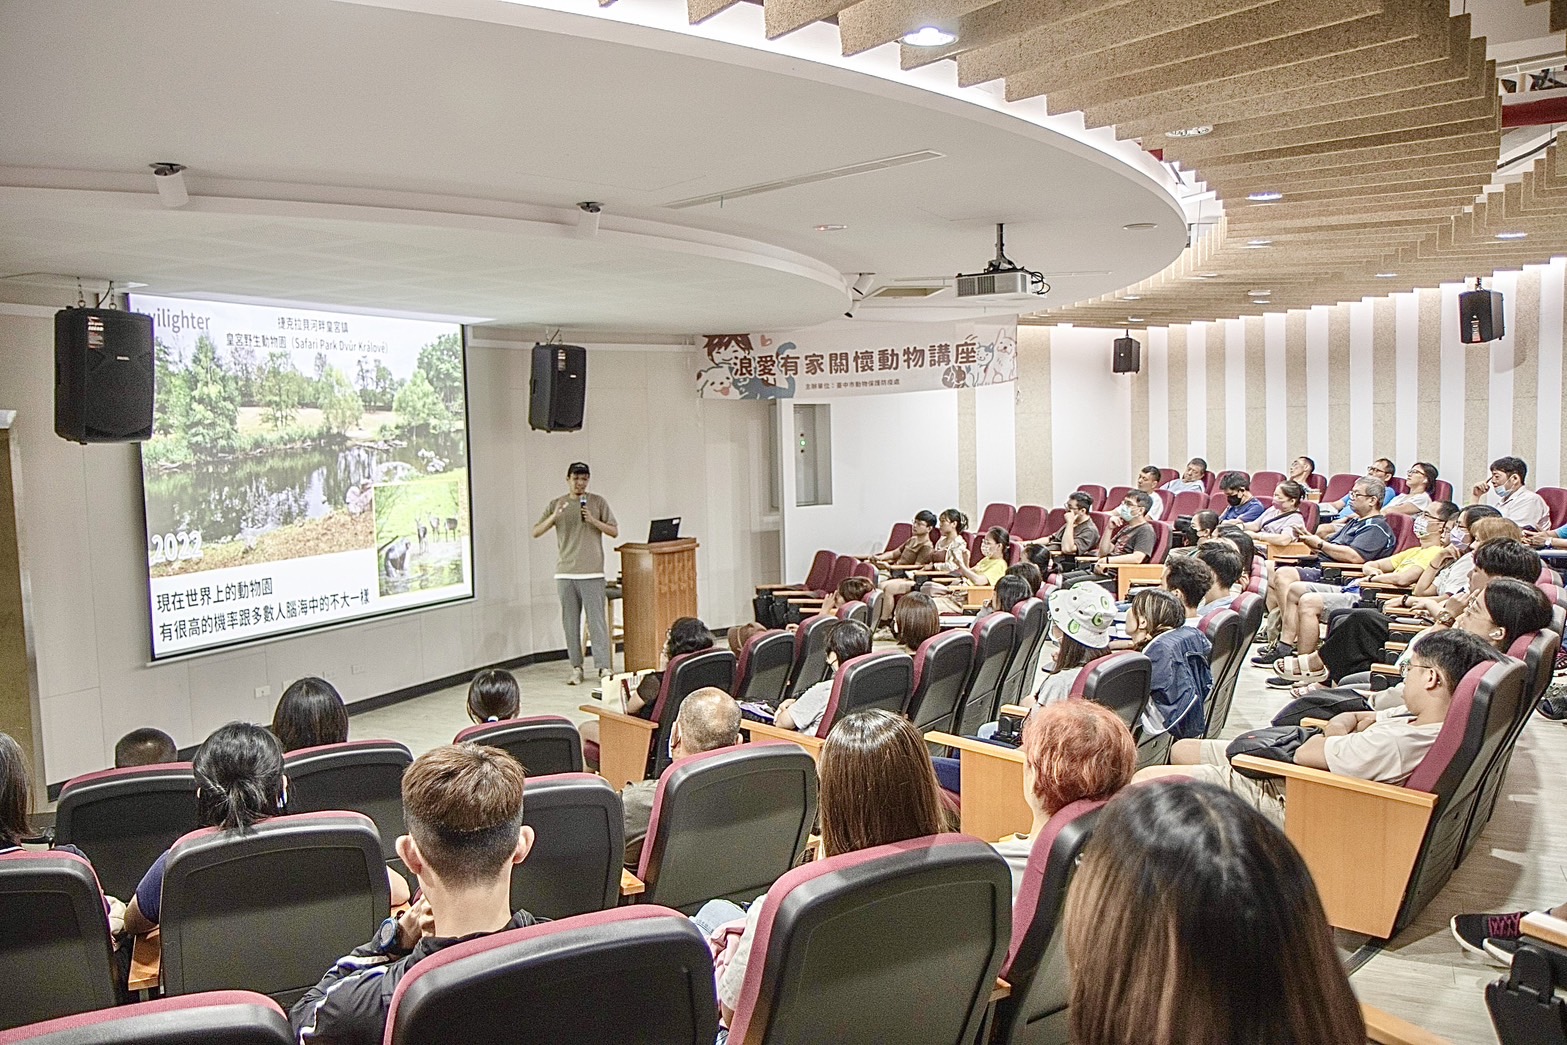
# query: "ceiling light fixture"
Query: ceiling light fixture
929,36
1190,132
1141,226
1512,235
1386,275
1131,297
1258,244
1134,319
1259,293
169,179
831,228
1265,197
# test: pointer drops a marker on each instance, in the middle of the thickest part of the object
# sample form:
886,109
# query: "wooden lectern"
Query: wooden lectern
658,586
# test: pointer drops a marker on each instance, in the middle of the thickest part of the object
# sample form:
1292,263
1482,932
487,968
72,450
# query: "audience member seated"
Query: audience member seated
1281,522
144,747
463,805
1224,559
1495,937
917,550
1011,589
915,620
239,783
742,633
803,714
686,635
1148,481
1364,539
1080,621
1073,751
1239,539
1244,508
1417,492
1029,573
1307,604
1448,573
1204,523
1382,470
1078,536
16,801
709,719
850,589
1128,538
1192,919
308,714
1506,492
1181,676
1190,579
1302,470
950,552
1385,746
493,696
876,788
996,550
1190,480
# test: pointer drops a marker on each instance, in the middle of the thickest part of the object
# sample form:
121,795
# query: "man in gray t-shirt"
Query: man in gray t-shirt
581,520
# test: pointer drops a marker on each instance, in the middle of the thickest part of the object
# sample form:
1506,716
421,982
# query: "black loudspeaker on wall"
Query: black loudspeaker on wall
103,370
1480,316
1128,355
556,391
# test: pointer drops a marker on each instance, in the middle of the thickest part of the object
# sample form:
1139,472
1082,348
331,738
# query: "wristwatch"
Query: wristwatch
385,940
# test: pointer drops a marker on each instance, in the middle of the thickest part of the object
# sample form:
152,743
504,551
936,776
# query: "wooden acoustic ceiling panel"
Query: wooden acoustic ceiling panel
1378,122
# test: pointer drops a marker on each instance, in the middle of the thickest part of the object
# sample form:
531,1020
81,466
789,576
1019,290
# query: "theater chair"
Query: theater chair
124,819
1441,490
544,744
884,679
1209,481
1032,617
1339,486
1030,522
1097,493
727,824
995,641
822,969
214,1018
1035,1013
55,954
270,909
1187,504
365,776
997,514
1555,499
812,602
1380,852
815,577
1114,496
631,748
941,668
1132,574
1218,502
578,848
842,568
1264,483
637,974
1121,682
901,532
810,654
1527,1004
762,670
858,610
1310,514
1225,629
1537,650
1403,527
1168,475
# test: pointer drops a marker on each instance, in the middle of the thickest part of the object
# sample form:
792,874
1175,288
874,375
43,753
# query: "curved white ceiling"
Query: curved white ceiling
358,155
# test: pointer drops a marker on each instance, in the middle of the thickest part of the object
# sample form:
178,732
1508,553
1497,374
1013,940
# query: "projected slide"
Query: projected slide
305,468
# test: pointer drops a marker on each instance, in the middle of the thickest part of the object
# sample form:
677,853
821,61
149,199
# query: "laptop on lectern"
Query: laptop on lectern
661,530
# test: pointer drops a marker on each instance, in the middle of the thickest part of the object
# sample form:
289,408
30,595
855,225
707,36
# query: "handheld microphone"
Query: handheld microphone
582,504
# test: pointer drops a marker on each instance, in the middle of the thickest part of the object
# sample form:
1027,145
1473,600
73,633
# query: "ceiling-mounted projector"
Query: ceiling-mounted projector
1002,277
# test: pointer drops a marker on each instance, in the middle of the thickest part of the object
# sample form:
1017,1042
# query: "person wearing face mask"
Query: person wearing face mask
1282,522
1448,574
1308,604
1244,507
1505,491
1129,537
995,556
847,640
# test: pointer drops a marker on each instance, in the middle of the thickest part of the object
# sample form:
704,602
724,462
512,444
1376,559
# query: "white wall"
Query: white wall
1089,413
892,455
655,450
995,457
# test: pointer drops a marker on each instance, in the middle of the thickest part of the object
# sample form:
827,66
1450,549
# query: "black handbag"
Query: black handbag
1278,743
1324,704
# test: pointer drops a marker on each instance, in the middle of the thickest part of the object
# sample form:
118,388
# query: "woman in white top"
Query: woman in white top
949,550
1282,523
1421,475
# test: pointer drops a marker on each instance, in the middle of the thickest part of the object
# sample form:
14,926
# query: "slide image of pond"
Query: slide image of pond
421,532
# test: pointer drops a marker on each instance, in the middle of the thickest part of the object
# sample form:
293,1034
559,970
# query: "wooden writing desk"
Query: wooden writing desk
993,803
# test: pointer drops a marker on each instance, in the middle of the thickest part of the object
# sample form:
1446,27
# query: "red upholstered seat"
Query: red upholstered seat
213,1018
1030,522
1097,493
124,819
997,514
1263,483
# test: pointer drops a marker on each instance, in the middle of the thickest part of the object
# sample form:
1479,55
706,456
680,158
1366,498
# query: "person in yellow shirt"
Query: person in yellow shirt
995,548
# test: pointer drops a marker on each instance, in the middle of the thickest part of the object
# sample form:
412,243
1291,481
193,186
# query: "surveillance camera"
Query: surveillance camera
590,207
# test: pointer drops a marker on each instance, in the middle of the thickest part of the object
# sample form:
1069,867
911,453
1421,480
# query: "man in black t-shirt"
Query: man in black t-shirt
1128,538
463,804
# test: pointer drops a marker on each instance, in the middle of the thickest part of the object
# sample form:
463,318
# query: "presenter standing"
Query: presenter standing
581,520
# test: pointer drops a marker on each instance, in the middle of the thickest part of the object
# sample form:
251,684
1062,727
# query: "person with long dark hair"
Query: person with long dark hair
686,635
1193,919
996,555
310,713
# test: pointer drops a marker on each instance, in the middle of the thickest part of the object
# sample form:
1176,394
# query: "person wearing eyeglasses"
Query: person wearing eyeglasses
1382,470
1417,490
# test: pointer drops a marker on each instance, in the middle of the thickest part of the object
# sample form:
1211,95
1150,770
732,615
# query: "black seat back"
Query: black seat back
544,744
1031,615
874,680
684,675
55,954
273,907
941,668
810,653
727,824
216,1018
763,672
1121,682
1223,628
365,776
124,819
995,641
578,844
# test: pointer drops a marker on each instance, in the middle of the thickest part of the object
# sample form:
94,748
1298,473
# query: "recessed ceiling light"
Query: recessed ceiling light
1190,132
1207,275
1386,275
1511,235
1262,301
1259,293
1134,319
1257,244
1141,226
1131,297
1265,197
929,36
831,228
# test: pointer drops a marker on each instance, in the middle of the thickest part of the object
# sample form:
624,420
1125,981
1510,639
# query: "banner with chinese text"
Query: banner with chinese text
858,359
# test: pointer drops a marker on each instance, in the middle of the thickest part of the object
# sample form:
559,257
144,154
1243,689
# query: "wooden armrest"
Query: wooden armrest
1396,647
1384,1028
1399,627
779,587
1290,771
1387,588
1540,926
1314,723
1015,710
1349,567
630,884
1386,669
805,600
1002,989
617,716
974,747
809,741
1294,549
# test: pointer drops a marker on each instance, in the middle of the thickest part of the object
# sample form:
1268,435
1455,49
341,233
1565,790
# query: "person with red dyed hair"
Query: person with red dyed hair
1073,750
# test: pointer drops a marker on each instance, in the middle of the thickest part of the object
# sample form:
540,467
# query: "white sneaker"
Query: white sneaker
576,677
